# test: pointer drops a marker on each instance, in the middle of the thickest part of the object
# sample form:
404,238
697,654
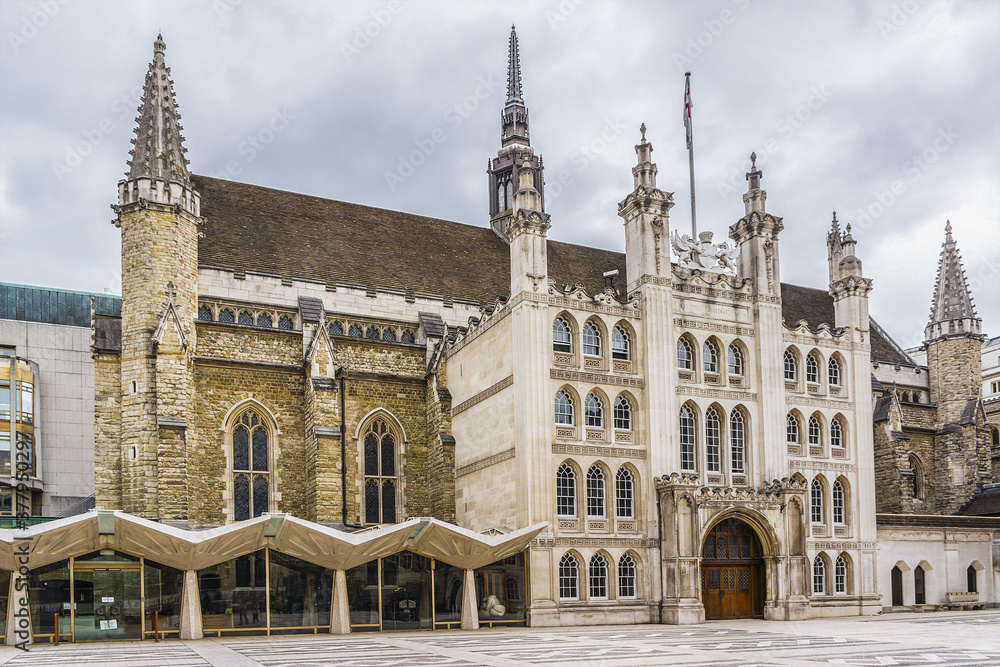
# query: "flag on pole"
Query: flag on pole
687,107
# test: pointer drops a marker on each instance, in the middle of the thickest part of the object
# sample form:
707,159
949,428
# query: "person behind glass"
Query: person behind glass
243,611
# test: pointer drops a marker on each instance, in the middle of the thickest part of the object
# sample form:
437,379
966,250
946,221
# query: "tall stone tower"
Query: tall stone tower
954,338
515,150
158,212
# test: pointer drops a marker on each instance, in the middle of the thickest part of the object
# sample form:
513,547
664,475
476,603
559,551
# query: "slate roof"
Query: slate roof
984,503
249,227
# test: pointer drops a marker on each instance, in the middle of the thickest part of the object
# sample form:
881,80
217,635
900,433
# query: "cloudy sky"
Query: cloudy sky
887,112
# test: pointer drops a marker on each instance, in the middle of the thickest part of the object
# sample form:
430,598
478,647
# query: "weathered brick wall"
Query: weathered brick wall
441,464
955,369
107,431
249,344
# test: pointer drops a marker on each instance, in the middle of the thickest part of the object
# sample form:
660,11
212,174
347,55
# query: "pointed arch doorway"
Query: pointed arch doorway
732,572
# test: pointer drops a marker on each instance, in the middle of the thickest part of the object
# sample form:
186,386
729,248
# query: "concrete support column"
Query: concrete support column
470,610
18,616
191,607
340,612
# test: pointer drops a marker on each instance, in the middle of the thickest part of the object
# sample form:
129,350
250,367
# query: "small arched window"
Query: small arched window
624,494
836,434
336,328
713,441
598,578
626,577
735,360
791,429
562,340
623,414
246,317
819,576
710,357
568,578
918,476
687,433
407,337
971,579
251,465
791,373
226,316
815,436
685,355
264,320
812,369
564,409
816,502
373,333
833,372
356,331
595,492
839,502
593,411
389,335
285,323
204,313
737,441
620,344
565,491
380,473
840,576
591,340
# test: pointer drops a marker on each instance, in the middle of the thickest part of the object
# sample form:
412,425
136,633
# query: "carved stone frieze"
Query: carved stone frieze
505,455
483,395
596,378
734,330
686,390
599,450
819,402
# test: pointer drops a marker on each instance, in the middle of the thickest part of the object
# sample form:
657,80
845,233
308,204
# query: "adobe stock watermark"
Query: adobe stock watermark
785,128
364,34
33,22
254,144
704,39
900,15
454,116
584,156
561,13
223,8
94,136
912,169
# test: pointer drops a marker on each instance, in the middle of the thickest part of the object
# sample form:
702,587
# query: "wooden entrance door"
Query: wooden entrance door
732,572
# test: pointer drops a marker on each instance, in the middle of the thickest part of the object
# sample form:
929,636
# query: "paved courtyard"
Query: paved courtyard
952,638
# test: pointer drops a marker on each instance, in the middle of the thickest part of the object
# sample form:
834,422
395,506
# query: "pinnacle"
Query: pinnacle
952,300
513,69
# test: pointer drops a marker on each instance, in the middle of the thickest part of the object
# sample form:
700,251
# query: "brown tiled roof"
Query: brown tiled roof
249,227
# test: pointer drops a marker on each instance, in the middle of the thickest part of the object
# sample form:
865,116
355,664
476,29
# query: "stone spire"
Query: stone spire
515,115
755,196
158,169
644,173
952,311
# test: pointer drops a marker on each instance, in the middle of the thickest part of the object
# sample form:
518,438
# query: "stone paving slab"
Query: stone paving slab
944,638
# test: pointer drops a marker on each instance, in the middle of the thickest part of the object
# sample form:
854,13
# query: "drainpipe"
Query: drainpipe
343,458
659,545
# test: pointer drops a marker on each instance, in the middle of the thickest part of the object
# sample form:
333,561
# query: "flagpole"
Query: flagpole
690,143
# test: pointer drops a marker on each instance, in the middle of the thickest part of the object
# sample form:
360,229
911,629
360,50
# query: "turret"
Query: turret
756,234
952,311
646,212
515,149
848,286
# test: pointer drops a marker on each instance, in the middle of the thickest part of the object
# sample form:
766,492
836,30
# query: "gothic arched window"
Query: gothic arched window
226,316
685,355
819,576
356,331
623,414
381,482
407,337
336,328
264,320
246,317
791,428
598,578
564,409
624,494
285,323
713,441
836,434
710,357
562,339
833,372
595,492
204,313
838,501
816,501
568,578
840,576
389,335
791,373
565,491
735,360
250,437
373,333
593,411
687,439
737,441
815,435
812,369
591,340
626,576
620,347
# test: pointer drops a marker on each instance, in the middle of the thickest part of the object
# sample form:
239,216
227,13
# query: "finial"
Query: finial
947,228
642,129
753,160
848,229
834,217
159,46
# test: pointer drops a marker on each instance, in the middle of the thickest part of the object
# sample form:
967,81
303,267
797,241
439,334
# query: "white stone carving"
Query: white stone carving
703,254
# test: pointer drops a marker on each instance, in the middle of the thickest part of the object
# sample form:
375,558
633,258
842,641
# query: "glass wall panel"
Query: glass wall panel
4,593
501,591
300,593
406,592
233,595
362,596
48,595
164,587
448,581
